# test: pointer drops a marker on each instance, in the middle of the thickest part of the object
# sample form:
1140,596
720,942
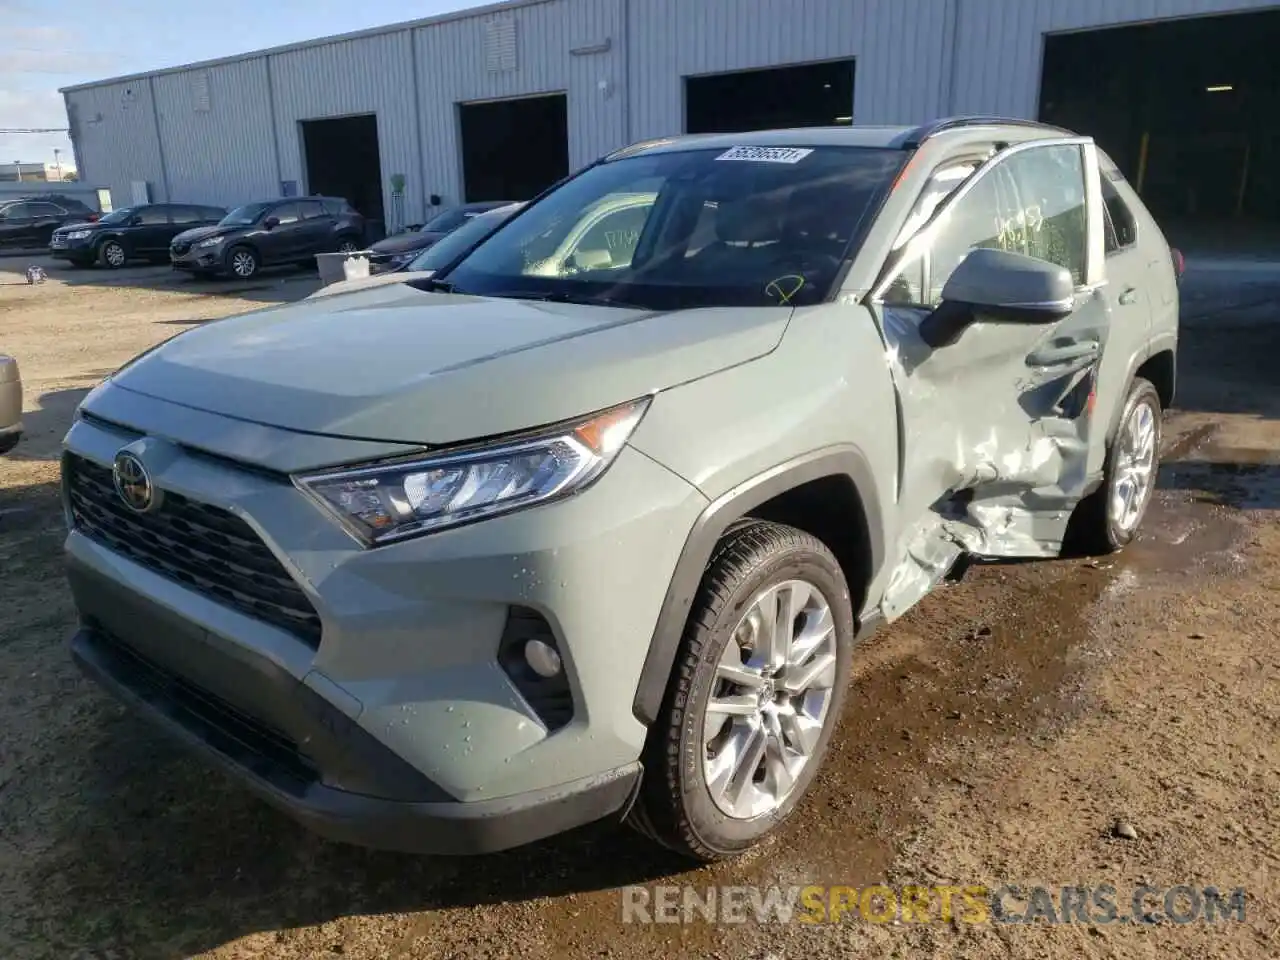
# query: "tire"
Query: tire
242,263
347,245
113,255
1100,525
8,441
683,802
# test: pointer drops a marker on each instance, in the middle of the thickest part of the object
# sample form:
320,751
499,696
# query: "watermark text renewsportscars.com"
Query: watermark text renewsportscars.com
964,904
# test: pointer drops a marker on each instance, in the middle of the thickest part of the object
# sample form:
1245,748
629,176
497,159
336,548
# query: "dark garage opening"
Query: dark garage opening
513,149
343,161
1189,110
809,95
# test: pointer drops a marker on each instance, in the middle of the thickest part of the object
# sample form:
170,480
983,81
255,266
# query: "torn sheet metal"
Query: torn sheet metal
995,436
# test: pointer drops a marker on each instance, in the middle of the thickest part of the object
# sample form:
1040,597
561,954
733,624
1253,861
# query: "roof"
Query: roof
886,137
499,7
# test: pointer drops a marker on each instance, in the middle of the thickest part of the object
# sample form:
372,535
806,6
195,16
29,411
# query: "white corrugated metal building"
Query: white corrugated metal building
230,130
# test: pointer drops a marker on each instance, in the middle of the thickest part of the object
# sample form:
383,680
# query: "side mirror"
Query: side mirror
135,220
999,286
271,223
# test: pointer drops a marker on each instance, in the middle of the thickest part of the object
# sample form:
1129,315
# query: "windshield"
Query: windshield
244,216
448,248
749,226
449,220
116,216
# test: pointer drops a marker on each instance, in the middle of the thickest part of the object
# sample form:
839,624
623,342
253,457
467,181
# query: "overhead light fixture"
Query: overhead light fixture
1220,88
844,119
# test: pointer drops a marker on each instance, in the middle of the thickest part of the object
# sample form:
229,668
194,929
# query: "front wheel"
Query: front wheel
242,263
347,246
755,692
1109,517
112,255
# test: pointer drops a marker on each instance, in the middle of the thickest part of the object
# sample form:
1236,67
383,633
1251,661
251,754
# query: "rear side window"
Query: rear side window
1121,226
336,207
152,216
312,210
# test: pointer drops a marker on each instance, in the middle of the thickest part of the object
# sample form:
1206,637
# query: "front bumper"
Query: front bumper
402,711
62,249
230,741
198,259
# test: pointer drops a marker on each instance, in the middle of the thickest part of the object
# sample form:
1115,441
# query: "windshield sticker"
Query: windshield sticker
766,154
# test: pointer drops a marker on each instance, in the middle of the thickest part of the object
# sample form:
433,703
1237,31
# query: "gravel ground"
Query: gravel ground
1068,723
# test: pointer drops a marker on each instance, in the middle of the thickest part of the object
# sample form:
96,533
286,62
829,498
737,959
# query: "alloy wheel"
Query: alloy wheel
1135,468
243,264
770,701
114,254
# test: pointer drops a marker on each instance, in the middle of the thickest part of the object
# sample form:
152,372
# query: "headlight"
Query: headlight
211,242
391,501
79,234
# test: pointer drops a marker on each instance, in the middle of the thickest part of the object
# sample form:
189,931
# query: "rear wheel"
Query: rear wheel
1109,517
242,262
755,692
112,254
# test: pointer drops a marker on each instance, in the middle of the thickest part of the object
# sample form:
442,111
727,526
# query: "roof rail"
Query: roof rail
916,137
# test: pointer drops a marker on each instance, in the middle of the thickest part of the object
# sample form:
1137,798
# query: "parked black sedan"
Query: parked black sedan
28,223
144,232
394,252
270,232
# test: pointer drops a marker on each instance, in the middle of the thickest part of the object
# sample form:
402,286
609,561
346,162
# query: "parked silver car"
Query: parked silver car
458,563
10,404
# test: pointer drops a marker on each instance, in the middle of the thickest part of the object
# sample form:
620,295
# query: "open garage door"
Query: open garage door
343,161
1189,109
513,149
808,95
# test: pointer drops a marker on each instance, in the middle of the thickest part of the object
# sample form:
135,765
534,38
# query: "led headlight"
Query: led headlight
78,234
210,242
405,498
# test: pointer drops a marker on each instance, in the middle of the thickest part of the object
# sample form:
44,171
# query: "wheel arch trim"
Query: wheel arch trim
843,461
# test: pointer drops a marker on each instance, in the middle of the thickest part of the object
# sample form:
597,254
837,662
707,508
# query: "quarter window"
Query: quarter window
1121,226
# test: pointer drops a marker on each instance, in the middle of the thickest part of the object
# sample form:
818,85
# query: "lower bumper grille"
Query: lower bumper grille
204,547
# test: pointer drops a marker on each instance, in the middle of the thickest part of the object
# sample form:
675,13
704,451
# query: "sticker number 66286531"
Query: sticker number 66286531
766,154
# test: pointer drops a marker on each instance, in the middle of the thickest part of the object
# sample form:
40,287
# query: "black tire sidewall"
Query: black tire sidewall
713,828
1141,391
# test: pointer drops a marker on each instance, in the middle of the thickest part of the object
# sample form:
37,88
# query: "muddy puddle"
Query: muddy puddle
997,658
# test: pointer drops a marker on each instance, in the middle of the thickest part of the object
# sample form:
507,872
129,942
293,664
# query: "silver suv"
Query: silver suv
455,564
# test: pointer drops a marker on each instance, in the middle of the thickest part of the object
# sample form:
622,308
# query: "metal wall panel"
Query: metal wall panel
621,64
897,44
367,75
1000,43
452,69
114,134
215,125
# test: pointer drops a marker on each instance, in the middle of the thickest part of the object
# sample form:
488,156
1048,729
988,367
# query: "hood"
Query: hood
201,233
406,243
398,364
364,283
80,225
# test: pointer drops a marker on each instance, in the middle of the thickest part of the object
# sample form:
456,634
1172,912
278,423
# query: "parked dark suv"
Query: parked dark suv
144,232
269,232
29,222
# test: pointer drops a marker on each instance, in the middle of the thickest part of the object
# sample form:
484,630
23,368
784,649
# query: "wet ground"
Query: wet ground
995,734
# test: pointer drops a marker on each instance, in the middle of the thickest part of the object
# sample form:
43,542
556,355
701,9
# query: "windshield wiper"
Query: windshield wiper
431,284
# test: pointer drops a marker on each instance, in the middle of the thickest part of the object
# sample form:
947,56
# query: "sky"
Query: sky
46,45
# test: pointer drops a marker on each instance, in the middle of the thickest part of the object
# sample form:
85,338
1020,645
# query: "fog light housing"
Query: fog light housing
530,657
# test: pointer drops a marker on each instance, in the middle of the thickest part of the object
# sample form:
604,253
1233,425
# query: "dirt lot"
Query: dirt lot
995,736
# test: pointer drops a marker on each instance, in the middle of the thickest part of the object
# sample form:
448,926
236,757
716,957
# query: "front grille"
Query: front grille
204,547
180,248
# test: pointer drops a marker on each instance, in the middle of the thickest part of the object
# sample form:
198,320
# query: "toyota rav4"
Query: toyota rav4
459,563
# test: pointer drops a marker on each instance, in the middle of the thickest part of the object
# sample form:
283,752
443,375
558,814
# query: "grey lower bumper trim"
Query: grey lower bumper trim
447,827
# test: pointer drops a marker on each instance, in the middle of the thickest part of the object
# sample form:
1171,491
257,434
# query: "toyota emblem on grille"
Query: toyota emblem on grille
133,483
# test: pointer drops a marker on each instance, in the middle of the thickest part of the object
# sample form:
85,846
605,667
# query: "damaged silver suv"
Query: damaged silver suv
459,563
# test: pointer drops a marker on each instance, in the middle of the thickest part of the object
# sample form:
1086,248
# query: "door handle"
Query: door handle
1063,353
1129,296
